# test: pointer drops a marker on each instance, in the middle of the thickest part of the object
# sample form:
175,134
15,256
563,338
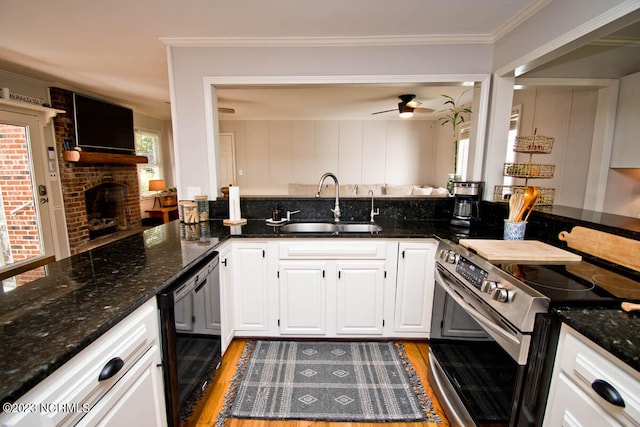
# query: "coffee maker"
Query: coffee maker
467,196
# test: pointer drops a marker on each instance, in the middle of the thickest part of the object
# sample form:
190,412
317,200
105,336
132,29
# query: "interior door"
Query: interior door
227,159
26,237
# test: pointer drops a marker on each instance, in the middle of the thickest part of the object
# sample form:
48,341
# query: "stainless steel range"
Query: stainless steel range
492,340
481,330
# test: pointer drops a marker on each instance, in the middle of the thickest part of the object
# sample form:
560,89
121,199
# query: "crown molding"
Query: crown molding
327,41
521,17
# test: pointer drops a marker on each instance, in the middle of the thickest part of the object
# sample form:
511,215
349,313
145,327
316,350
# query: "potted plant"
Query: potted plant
455,117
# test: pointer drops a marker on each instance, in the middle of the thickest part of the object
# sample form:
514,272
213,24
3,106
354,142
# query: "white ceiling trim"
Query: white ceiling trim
362,79
327,41
618,42
508,26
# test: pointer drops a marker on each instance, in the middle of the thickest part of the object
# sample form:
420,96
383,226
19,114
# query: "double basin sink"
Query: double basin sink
331,227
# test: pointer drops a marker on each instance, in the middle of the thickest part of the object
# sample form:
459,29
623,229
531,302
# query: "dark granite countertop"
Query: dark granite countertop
47,322
614,330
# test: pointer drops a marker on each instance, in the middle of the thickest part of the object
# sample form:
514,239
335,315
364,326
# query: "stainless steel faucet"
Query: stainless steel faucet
336,209
373,212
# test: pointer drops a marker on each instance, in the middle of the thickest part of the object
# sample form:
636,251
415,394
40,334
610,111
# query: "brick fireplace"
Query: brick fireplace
78,178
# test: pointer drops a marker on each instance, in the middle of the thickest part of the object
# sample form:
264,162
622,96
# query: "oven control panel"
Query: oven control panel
471,272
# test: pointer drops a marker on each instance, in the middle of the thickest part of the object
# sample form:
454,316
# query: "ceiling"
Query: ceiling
114,49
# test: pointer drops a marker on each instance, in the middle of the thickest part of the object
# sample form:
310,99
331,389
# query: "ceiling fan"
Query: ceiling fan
407,106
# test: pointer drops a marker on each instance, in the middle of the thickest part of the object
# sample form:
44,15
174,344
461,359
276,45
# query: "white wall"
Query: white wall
189,66
623,192
568,116
273,154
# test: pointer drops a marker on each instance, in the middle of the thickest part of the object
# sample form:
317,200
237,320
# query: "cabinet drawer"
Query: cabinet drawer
333,249
76,384
583,363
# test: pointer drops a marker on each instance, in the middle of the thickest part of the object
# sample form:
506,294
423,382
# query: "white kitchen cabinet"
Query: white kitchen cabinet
573,400
134,399
250,286
303,297
360,297
226,296
625,152
74,391
333,287
414,290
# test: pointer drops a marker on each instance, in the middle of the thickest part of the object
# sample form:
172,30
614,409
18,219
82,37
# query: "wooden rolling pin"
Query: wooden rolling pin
629,306
620,250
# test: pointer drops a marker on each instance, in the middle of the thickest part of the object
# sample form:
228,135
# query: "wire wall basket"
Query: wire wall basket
502,193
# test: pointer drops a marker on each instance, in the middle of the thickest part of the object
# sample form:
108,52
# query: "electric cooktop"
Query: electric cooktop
576,282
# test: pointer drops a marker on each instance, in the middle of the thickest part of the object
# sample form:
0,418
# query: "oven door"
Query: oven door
474,357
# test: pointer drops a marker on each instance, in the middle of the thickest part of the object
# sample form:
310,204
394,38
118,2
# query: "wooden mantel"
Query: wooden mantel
104,158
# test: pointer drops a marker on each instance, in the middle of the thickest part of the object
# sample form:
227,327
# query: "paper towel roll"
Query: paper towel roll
234,203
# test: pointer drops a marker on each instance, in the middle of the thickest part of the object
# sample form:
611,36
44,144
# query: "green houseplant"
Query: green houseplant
454,117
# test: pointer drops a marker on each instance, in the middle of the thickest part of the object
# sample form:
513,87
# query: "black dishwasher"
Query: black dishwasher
191,344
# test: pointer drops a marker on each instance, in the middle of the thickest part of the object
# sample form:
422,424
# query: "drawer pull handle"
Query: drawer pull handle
112,367
607,392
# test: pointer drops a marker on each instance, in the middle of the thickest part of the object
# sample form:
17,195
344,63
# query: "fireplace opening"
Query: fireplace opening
106,209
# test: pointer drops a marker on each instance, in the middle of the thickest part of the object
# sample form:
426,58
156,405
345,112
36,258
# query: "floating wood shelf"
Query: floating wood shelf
108,158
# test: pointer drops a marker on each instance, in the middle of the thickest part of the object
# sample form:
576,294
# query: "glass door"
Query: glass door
26,241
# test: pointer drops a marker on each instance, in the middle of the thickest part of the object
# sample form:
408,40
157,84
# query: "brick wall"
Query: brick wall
16,190
76,178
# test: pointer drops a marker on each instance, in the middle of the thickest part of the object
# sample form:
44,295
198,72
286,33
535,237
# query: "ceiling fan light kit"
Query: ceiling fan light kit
406,107
406,112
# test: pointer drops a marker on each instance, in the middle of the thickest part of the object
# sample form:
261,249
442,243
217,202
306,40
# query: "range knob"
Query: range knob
489,286
448,256
501,294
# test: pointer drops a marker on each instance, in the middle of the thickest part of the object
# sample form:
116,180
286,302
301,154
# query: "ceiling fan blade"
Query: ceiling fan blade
423,110
226,110
385,111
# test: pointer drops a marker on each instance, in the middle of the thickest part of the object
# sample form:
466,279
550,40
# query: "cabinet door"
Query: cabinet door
206,303
136,400
414,292
226,297
359,300
183,309
250,286
303,297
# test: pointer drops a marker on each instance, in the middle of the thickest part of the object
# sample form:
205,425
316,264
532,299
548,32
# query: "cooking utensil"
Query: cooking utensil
535,195
528,200
629,306
516,201
617,249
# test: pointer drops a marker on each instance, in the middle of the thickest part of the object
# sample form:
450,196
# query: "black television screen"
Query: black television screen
102,126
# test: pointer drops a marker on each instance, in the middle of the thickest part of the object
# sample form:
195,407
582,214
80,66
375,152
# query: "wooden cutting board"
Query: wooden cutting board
519,251
617,249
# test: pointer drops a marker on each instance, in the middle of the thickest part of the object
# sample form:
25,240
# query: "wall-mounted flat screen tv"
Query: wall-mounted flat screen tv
102,126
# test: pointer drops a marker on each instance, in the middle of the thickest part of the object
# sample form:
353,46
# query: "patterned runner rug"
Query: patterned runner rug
327,380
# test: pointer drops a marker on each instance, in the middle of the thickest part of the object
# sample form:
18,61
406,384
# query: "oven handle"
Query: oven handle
471,311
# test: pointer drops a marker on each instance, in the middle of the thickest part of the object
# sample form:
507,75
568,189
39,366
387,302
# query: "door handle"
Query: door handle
43,200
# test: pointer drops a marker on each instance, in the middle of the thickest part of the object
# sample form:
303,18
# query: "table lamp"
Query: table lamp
157,185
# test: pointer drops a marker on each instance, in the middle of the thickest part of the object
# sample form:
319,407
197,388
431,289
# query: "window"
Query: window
514,126
463,152
148,145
